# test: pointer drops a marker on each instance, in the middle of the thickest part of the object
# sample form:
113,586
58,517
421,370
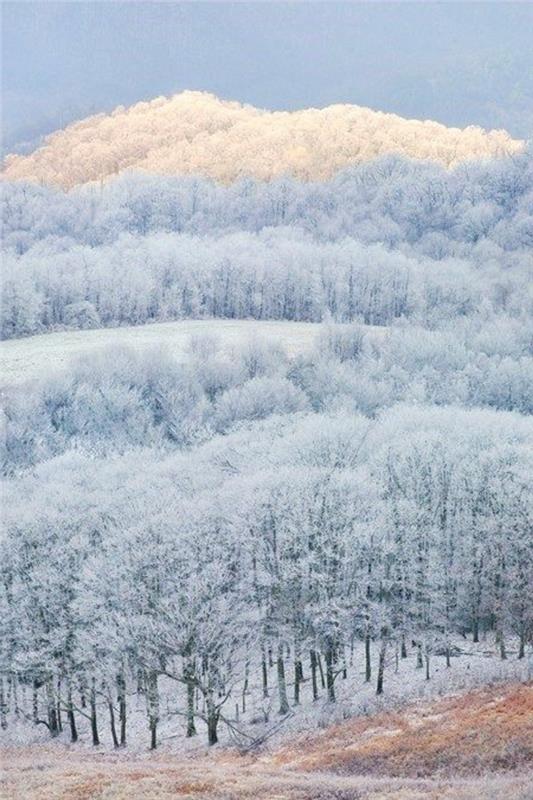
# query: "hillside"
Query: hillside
23,360
266,403
395,238
198,133
476,745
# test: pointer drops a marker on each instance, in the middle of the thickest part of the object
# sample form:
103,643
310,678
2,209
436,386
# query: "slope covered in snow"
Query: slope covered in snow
24,360
197,133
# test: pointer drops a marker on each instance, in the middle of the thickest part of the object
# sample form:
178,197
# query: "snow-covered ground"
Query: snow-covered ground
35,356
477,666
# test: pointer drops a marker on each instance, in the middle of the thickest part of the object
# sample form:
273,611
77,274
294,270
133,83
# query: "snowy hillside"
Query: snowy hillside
267,447
197,133
266,405
387,241
35,357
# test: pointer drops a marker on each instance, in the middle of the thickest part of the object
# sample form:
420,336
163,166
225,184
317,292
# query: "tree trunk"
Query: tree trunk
282,686
313,674
212,735
51,708
94,722
522,645
70,716
381,665
419,659
330,678
35,702
368,662
245,686
296,685
403,647
122,711
322,679
3,705
14,684
152,702
298,675
112,723
59,720
264,671
212,720
189,680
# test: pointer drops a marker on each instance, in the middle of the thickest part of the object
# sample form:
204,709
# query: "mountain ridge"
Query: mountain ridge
198,133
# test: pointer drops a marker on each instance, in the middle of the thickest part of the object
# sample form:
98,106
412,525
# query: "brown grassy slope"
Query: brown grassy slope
474,747
487,730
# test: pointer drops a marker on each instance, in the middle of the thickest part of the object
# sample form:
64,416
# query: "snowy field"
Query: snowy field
34,357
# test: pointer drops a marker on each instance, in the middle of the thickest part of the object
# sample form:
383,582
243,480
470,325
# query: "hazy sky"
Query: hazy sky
458,63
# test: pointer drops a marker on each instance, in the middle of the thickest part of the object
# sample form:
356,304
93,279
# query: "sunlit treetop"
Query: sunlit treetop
197,133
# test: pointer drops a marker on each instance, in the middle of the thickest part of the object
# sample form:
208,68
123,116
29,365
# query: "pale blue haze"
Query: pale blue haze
456,63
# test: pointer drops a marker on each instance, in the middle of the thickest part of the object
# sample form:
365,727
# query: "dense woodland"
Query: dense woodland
196,133
244,523
389,240
233,518
117,400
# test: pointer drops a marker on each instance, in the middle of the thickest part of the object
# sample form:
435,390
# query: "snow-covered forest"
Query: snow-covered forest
231,531
286,539
229,538
266,401
392,239
196,133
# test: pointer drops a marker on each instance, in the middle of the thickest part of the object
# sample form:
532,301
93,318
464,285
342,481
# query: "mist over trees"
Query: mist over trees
196,133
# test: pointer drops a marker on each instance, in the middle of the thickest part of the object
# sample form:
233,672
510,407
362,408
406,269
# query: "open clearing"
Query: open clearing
36,356
477,746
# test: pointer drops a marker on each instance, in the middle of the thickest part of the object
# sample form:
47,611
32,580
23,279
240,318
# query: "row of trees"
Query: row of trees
276,275
196,133
233,573
118,399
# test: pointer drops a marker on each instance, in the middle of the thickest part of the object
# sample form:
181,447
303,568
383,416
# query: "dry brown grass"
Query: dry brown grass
475,747
487,730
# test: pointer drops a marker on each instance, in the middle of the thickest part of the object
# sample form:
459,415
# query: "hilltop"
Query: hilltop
198,133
